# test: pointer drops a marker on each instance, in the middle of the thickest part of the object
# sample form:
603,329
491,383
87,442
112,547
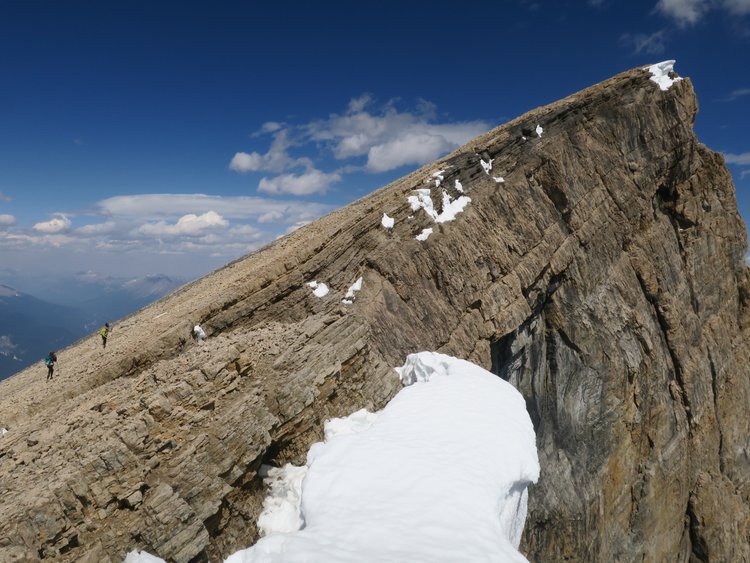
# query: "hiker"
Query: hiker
198,334
105,332
50,362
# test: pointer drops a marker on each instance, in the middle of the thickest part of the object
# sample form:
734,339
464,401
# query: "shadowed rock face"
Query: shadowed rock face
604,278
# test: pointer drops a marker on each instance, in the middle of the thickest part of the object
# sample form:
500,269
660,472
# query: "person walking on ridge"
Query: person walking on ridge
50,362
105,333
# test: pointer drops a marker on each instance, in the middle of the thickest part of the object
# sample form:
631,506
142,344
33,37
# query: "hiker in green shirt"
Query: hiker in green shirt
105,332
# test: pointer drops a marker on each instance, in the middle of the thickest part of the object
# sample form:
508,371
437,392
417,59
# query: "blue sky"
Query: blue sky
164,137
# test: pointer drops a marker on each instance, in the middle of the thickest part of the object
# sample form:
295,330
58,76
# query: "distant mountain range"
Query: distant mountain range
31,326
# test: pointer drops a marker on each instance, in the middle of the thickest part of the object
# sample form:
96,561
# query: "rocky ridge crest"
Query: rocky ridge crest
603,276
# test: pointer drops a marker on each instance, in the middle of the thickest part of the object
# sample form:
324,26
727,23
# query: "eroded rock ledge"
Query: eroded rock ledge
603,277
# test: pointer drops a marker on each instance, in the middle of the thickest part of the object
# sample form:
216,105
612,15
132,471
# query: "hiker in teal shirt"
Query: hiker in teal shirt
50,362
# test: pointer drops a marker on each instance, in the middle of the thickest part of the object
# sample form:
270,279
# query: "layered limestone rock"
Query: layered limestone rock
598,267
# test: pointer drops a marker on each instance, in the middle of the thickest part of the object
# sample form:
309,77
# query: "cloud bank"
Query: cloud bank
188,225
364,137
292,166
307,183
199,225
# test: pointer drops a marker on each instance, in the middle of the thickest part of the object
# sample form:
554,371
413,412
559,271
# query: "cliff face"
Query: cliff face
603,277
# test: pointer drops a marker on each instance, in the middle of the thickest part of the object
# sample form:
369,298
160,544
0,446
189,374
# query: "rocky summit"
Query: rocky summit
594,259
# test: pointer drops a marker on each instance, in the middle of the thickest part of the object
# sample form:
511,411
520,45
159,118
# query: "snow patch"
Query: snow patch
142,557
422,201
451,207
424,235
539,130
438,177
487,166
459,187
3,431
387,222
375,490
319,289
281,508
660,74
355,287
499,179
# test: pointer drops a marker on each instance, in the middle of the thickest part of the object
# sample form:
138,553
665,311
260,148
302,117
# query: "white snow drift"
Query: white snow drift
451,207
354,288
440,474
660,74
319,289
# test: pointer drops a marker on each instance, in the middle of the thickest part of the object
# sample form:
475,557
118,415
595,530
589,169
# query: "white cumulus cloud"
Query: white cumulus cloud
386,136
308,183
689,12
380,133
683,12
187,225
271,126
741,159
246,162
270,217
276,159
7,220
408,148
58,224
246,232
356,105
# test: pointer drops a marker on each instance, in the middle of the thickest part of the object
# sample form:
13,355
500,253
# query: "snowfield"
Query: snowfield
439,475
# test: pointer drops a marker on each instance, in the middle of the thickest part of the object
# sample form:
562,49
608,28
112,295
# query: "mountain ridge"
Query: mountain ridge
603,276
30,327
